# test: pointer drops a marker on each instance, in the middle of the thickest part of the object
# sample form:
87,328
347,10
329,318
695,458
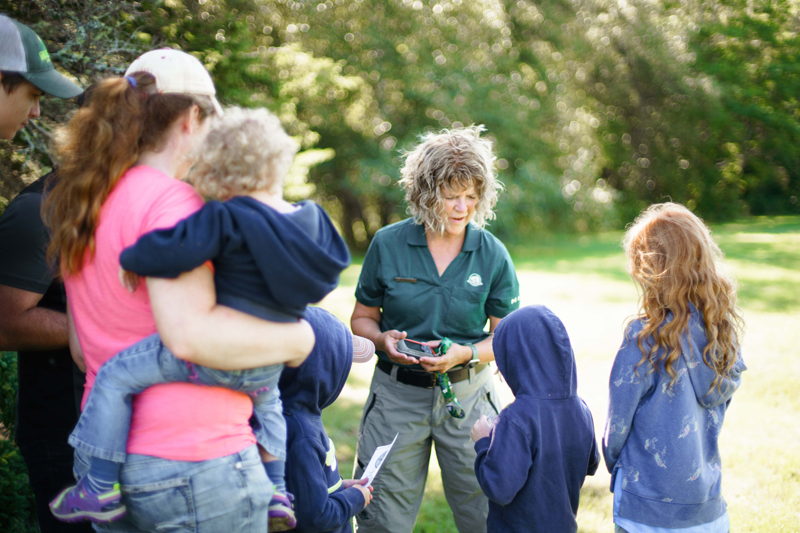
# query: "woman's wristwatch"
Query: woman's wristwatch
472,363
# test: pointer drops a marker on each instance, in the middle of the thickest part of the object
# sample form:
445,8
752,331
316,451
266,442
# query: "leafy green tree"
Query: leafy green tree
752,52
596,108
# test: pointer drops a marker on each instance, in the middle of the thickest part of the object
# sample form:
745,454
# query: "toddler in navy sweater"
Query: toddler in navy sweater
271,259
533,458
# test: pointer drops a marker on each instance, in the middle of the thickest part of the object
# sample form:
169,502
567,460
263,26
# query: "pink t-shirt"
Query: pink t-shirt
176,421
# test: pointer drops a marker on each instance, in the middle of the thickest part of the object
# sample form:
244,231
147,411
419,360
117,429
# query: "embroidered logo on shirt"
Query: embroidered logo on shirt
475,280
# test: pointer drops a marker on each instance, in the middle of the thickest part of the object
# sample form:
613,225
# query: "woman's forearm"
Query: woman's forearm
485,348
365,322
197,330
227,339
369,329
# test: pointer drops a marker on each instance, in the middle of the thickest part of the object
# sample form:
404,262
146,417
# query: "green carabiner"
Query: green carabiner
443,380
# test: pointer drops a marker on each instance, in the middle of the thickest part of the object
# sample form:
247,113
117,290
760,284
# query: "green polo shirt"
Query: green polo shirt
400,276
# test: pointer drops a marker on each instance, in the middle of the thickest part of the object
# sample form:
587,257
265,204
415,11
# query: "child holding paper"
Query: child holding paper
533,458
324,501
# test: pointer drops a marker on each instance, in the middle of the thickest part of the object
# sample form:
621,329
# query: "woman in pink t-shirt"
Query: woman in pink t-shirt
192,461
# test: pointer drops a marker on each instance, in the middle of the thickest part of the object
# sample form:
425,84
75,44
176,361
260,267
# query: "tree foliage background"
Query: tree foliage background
596,107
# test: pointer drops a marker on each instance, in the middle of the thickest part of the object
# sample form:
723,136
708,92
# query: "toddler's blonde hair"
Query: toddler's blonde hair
246,150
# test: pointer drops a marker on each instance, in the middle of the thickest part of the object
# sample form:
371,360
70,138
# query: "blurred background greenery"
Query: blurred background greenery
596,107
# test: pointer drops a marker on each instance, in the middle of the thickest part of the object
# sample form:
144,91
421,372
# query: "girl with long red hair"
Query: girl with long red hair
673,379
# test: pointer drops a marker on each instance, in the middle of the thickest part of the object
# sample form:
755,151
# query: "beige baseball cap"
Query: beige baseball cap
177,72
363,349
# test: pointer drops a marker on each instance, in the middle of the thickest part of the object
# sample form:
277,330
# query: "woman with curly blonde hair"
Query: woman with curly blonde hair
437,277
673,379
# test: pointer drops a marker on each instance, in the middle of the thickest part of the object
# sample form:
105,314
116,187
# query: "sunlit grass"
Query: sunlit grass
583,280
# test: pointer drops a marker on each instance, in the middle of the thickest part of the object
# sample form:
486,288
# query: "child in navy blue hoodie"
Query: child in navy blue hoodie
324,502
271,259
533,458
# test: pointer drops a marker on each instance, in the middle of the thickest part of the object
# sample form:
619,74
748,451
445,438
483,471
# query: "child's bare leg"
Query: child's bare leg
266,457
276,469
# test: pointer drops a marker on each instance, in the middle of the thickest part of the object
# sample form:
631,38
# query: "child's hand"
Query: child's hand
128,279
366,491
482,428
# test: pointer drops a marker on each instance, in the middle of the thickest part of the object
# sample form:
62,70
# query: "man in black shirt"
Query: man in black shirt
32,304
33,322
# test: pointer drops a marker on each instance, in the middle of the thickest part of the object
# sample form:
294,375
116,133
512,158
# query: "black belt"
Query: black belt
426,380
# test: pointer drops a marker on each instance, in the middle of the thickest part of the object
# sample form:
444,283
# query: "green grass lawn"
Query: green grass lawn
583,280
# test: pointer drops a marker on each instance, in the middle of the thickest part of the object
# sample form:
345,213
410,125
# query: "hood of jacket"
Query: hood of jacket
533,352
316,383
303,243
700,374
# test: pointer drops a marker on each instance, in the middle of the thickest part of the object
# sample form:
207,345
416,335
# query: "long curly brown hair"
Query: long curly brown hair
119,120
675,262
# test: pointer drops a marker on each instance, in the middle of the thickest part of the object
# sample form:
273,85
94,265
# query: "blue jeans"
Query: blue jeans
102,430
229,494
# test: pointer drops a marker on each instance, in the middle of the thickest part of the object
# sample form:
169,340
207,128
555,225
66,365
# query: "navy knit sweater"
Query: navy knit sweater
543,446
267,264
321,504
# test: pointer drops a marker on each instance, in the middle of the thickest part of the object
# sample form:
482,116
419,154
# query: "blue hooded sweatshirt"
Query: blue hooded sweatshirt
321,504
662,438
267,264
543,446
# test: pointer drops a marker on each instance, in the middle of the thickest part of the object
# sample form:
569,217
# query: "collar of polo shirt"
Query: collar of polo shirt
472,240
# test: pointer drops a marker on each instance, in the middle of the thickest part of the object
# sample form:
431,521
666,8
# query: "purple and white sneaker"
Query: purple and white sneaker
77,503
281,512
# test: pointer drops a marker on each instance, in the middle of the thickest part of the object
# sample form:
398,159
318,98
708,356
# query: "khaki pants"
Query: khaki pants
420,419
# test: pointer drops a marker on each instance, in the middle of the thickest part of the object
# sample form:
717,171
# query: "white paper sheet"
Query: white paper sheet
380,455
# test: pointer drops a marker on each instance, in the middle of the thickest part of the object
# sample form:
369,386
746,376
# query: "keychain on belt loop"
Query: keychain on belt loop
443,380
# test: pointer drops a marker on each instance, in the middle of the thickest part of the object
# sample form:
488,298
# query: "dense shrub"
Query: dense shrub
17,507
8,393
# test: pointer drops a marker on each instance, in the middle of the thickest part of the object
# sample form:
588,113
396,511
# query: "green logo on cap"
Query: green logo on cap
44,57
